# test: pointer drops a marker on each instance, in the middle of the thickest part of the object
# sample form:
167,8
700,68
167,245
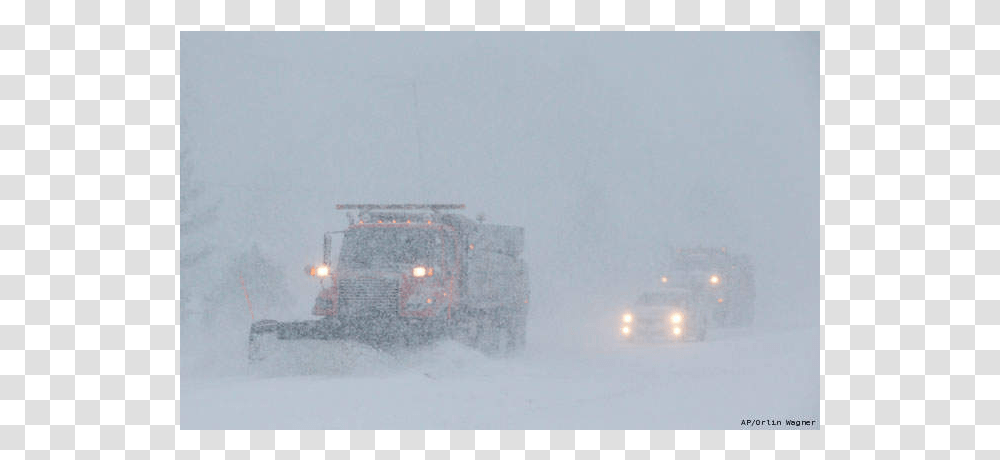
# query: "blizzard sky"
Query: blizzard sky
607,148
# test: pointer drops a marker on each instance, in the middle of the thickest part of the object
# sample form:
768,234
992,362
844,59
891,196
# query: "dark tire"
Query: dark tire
513,329
501,334
487,338
496,332
462,328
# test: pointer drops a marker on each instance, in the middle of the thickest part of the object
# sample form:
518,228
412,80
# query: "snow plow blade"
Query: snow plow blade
374,332
267,330
310,347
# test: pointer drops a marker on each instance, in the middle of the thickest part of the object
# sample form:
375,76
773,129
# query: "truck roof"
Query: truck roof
663,296
505,239
403,213
717,256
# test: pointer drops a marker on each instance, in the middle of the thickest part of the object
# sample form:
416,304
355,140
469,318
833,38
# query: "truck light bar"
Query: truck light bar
369,207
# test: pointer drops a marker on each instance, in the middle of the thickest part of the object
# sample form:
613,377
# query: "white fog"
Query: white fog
611,151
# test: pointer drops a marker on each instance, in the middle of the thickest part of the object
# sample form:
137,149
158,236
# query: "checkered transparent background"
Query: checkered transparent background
89,236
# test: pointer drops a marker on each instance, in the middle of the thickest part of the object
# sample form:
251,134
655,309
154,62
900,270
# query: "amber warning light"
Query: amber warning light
321,271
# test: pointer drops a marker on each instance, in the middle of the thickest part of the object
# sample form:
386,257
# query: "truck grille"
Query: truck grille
359,295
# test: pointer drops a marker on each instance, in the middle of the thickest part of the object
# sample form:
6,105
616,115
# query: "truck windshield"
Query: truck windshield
657,299
380,247
694,262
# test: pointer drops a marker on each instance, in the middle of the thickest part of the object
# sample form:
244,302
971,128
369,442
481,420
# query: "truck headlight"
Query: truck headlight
626,330
677,331
420,272
627,317
714,279
322,271
676,318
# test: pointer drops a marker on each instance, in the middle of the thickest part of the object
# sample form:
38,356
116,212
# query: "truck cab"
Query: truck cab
393,267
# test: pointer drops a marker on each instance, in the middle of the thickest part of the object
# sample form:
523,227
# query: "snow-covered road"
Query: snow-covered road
735,375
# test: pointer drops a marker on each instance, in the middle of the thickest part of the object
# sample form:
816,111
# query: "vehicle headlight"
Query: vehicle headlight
677,331
419,271
626,330
322,271
676,318
714,279
627,317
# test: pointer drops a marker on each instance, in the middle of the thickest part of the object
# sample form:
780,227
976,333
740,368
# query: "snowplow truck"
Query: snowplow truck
409,274
718,279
